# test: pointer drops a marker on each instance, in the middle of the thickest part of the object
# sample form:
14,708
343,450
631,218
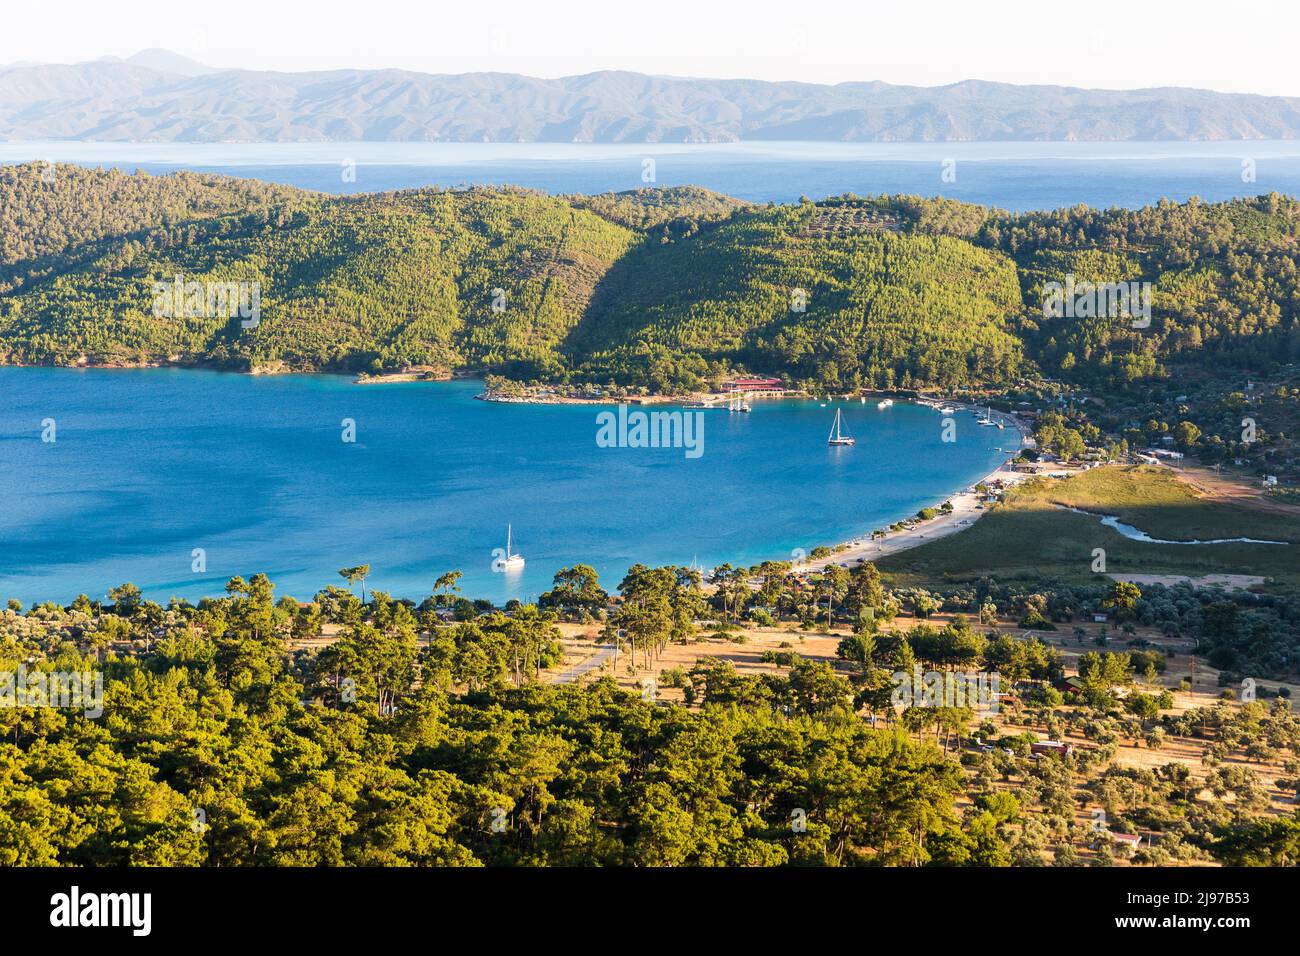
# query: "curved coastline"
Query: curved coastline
966,506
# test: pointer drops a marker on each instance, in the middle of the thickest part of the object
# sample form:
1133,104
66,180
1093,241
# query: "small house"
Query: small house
1070,685
1128,842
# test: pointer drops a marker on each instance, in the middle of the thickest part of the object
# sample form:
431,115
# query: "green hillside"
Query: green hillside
662,288
1226,280
46,209
880,308
344,283
674,210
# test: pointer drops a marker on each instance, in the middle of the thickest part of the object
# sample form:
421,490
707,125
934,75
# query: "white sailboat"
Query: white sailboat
511,562
737,403
988,417
838,436
885,404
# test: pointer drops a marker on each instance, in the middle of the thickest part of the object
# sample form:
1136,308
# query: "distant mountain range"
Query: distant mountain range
160,96
165,61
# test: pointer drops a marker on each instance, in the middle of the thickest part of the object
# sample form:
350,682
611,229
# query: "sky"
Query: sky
1245,47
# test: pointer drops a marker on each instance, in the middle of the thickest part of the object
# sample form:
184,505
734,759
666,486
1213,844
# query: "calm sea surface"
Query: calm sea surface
1014,176
149,465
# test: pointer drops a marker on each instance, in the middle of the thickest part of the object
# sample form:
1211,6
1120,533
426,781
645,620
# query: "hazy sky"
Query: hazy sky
1238,47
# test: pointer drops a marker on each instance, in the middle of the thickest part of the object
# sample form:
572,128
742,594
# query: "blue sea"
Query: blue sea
149,466
1013,176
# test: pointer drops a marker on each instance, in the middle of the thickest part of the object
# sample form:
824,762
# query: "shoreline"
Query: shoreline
685,401
966,510
703,401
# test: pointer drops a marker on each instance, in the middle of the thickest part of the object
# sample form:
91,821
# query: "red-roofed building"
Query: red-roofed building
754,385
1051,747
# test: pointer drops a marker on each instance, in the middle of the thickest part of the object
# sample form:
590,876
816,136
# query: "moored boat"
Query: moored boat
838,435
511,562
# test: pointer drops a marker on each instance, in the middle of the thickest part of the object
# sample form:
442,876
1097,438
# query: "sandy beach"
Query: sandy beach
966,510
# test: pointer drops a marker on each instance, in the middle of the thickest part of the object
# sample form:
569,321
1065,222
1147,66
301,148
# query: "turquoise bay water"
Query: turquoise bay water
149,465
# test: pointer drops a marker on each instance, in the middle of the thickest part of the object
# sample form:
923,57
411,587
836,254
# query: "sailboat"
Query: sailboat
511,562
737,403
837,435
988,417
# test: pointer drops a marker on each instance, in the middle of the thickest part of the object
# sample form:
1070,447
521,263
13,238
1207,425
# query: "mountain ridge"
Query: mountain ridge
159,96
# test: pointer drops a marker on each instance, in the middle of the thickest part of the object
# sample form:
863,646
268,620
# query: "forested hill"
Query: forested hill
666,289
75,205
